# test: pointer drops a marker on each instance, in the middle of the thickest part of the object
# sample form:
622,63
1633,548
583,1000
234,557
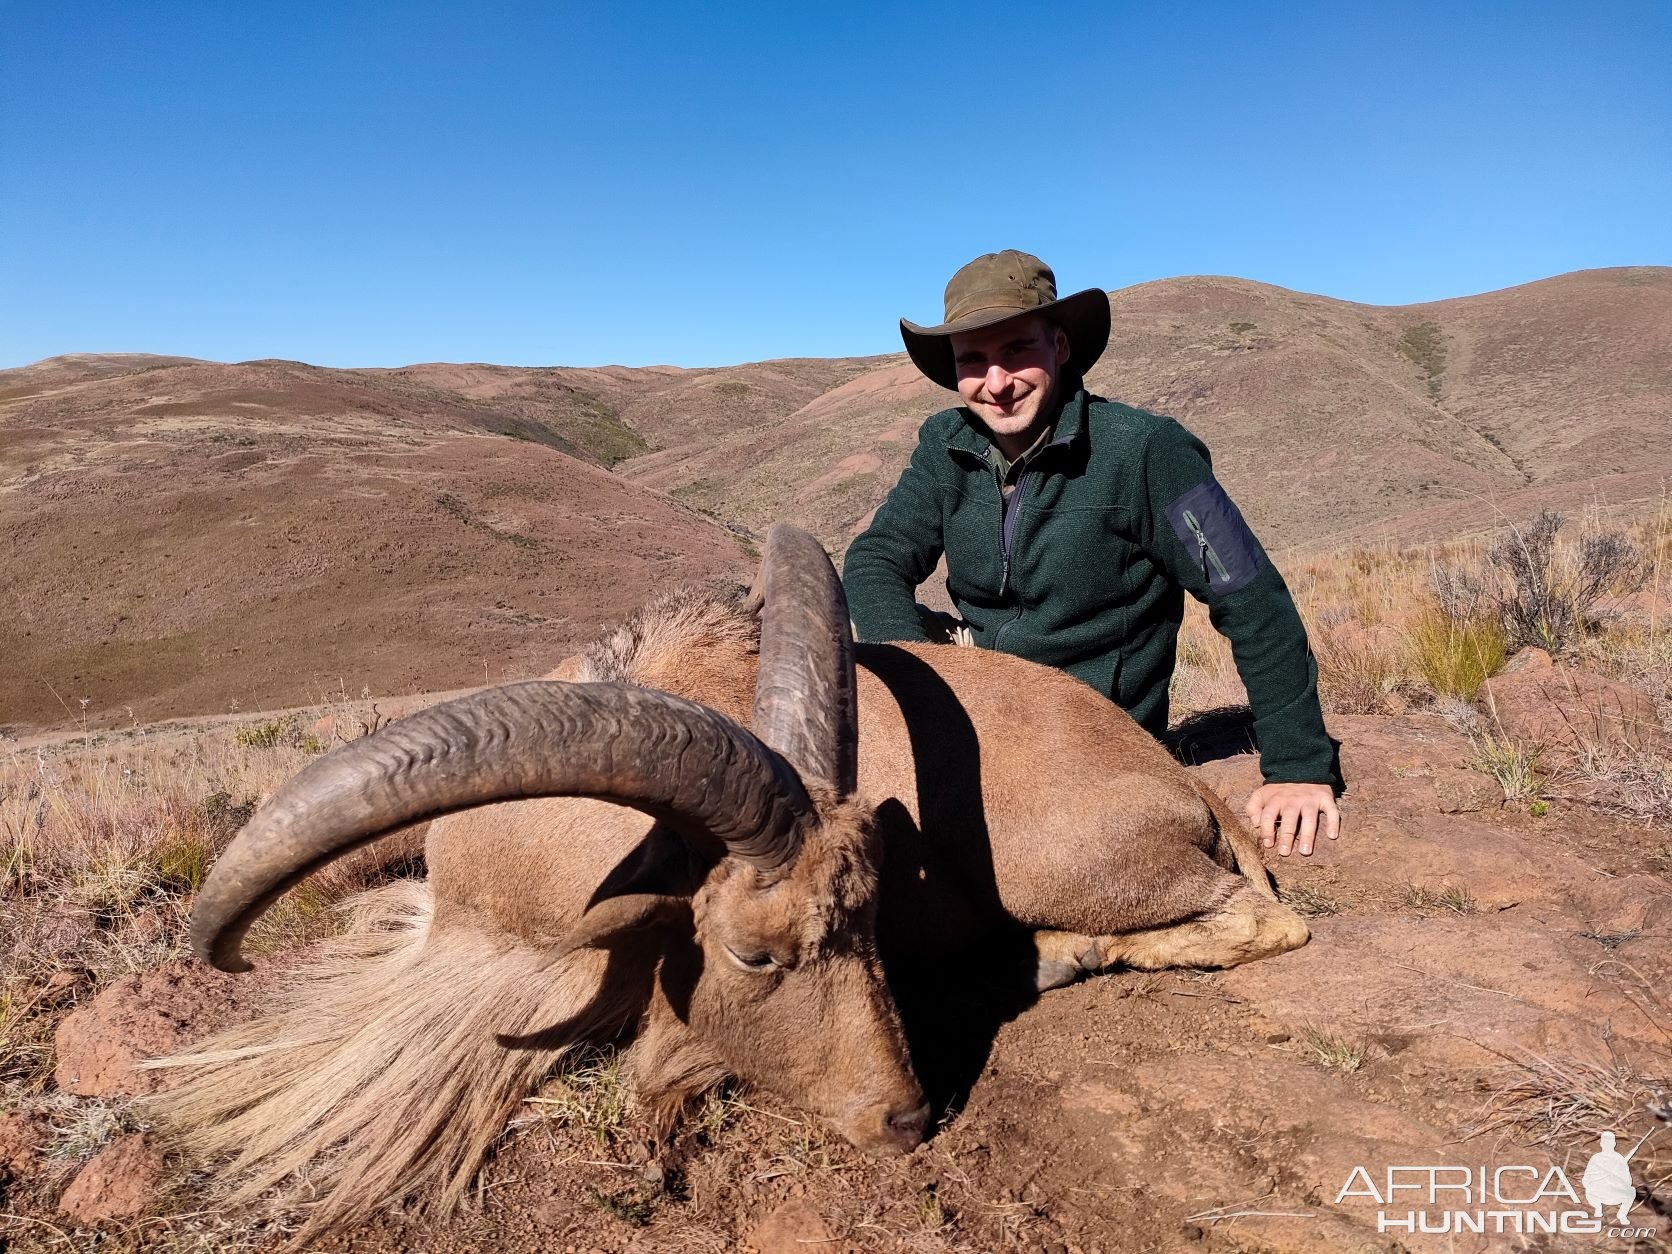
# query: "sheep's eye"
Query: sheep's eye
752,961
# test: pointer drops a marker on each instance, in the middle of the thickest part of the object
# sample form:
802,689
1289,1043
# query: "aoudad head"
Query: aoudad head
774,956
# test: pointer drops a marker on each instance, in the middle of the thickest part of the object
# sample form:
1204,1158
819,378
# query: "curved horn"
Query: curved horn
683,764
806,698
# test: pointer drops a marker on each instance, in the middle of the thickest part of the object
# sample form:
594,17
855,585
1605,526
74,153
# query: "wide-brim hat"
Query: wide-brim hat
996,287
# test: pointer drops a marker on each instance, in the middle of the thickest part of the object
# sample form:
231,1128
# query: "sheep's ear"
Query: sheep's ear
615,917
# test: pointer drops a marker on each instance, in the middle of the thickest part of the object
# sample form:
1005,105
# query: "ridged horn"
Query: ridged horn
806,697
690,768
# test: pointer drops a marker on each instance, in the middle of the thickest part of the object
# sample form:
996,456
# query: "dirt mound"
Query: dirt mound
1563,710
118,1184
145,1015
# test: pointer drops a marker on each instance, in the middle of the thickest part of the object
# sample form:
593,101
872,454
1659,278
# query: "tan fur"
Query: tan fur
379,1074
999,792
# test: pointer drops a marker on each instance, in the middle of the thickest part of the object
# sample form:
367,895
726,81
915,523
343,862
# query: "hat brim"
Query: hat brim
1084,316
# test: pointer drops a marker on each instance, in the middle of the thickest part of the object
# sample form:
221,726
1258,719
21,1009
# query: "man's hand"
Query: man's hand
1287,815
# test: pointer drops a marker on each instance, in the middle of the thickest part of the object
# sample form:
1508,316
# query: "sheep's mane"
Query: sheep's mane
691,616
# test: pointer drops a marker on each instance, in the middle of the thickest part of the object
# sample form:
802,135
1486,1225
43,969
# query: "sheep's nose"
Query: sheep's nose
907,1126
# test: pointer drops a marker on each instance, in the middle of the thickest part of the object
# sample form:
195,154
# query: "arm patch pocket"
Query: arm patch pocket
1209,525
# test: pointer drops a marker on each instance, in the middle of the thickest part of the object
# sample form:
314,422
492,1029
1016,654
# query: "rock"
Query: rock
1514,987
1529,661
20,1142
143,1016
117,1184
1568,711
793,1228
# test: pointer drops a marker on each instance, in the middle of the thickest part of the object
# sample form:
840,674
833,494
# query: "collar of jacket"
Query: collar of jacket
970,435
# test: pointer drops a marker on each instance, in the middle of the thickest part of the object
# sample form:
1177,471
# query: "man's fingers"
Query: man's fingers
1286,830
1268,826
1332,819
1308,831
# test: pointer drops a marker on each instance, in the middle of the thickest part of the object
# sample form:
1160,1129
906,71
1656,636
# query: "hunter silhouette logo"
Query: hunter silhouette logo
1607,1179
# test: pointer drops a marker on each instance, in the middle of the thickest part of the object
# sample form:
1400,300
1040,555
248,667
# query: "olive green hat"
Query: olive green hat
998,286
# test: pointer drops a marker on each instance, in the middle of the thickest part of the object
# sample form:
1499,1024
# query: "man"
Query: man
1072,527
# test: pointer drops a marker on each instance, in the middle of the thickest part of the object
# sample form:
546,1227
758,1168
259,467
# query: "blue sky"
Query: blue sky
373,184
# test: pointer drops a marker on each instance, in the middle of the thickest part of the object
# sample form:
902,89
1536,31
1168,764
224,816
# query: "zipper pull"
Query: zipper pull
1204,551
1195,526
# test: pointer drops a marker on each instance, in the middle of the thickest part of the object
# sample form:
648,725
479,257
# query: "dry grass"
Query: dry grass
591,1093
1514,766
1334,1053
1394,627
1312,902
1455,657
103,839
1568,1103
1452,898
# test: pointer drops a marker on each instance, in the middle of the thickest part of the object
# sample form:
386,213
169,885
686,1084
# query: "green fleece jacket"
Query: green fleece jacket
1084,567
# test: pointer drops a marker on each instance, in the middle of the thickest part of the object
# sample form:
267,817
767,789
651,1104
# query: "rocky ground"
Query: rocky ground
1486,987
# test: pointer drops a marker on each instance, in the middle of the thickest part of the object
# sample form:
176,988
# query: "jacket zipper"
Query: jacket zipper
1205,553
1010,515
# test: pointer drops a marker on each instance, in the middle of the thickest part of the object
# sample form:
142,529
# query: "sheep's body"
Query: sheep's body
1007,796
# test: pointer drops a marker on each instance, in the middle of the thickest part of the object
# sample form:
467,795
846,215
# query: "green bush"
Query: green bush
266,735
1457,655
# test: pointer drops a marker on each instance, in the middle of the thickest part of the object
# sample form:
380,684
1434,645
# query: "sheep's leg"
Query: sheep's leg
1246,926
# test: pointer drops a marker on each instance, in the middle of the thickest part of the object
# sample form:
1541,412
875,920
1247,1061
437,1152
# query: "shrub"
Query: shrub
222,815
1547,595
266,735
1456,655
1424,346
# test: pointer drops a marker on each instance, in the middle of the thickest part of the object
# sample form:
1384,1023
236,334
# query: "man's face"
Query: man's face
1007,374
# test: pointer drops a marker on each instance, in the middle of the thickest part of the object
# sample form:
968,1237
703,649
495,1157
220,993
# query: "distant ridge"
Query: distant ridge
184,534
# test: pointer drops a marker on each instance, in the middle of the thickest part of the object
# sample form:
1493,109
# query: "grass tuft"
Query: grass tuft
1454,898
1515,767
1455,657
1567,1102
1312,902
1335,1053
590,1093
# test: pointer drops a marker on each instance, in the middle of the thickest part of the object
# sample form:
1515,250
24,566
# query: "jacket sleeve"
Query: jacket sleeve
898,551
1197,533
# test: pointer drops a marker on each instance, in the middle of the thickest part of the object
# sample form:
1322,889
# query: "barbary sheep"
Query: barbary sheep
633,865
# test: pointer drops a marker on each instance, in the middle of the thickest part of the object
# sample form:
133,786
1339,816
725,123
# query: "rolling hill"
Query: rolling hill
184,536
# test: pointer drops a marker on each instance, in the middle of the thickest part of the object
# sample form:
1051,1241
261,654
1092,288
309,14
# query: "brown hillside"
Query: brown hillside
199,537
1324,416
157,508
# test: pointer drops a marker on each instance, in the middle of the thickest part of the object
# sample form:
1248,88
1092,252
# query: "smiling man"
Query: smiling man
1073,526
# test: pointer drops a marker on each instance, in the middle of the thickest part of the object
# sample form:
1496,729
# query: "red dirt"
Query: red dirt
1470,946
1565,710
118,1184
